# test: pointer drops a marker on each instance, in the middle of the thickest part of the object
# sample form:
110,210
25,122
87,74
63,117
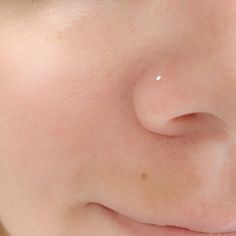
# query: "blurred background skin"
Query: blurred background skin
83,121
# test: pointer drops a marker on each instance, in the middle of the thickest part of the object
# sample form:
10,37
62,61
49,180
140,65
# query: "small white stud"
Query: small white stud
158,78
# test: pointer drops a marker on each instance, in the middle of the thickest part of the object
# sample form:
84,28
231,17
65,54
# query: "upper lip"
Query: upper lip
173,227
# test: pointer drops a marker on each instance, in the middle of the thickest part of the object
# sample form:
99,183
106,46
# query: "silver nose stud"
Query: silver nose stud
158,78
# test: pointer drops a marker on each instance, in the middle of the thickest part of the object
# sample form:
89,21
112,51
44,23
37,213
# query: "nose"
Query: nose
187,101
196,94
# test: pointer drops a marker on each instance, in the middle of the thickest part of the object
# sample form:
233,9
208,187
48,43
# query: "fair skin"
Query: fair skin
85,125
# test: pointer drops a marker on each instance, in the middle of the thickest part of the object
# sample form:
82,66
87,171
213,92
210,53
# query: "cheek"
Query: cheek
44,92
47,106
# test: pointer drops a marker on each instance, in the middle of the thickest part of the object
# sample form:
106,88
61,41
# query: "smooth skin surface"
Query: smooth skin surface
84,121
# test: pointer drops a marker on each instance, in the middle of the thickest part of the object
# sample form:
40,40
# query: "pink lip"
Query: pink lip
142,229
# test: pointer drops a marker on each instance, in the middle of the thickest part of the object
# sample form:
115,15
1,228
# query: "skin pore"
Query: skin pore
85,124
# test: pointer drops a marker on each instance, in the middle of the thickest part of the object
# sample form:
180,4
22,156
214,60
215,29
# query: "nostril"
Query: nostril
196,123
188,117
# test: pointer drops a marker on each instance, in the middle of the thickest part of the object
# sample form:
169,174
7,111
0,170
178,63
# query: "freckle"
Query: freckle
144,176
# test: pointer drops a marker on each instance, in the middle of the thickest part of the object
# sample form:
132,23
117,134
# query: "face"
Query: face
92,143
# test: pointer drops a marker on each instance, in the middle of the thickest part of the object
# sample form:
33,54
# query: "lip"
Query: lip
142,229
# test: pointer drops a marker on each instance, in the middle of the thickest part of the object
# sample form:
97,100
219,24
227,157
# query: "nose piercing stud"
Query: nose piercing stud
158,78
